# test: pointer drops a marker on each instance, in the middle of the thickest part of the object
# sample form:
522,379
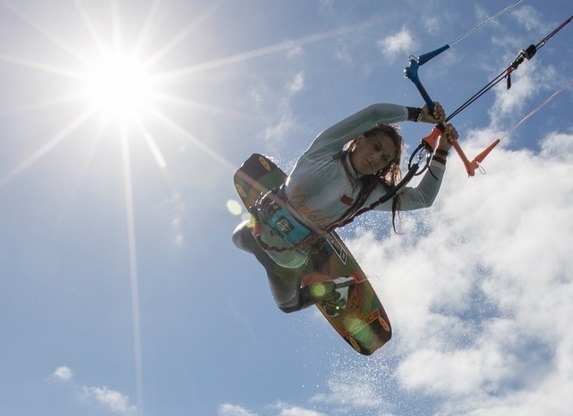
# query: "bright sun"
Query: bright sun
120,87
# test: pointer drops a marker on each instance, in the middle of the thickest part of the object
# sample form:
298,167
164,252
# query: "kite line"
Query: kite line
475,163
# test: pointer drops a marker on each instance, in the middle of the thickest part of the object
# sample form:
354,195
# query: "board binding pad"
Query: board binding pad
360,319
334,303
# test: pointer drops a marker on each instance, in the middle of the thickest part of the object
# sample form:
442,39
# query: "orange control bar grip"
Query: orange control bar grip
431,140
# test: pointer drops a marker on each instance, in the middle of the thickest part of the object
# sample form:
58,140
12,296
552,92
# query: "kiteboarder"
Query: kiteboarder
346,168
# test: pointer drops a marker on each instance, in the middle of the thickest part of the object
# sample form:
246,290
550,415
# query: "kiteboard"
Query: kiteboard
357,315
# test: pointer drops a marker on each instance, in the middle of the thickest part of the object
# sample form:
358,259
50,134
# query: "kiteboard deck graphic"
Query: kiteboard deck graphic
360,318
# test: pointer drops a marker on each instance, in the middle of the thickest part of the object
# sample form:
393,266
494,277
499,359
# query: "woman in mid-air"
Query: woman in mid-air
346,168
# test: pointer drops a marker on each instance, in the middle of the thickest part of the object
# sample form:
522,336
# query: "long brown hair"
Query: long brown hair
389,176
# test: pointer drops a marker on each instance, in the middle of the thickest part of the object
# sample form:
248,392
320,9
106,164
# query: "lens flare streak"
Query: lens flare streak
47,147
133,276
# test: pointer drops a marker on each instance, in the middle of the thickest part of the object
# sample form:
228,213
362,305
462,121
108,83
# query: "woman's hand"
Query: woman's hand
449,135
438,115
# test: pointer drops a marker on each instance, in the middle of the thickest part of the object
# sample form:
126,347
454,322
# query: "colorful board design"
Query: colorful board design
363,322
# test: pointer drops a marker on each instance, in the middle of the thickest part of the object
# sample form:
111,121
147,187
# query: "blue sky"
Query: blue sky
120,290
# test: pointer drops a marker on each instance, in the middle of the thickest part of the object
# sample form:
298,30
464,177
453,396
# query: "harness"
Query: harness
274,210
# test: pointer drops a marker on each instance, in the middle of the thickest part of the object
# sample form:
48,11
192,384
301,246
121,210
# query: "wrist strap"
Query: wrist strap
439,160
414,114
442,152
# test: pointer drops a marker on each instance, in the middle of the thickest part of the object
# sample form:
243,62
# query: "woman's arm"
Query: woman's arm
424,194
333,138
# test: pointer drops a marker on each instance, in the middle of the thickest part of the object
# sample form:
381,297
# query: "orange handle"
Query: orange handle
474,164
479,158
470,166
431,140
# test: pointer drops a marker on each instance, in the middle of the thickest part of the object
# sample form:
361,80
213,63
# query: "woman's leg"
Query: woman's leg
284,282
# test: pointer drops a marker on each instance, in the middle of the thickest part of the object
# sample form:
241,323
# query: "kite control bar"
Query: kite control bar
411,72
428,143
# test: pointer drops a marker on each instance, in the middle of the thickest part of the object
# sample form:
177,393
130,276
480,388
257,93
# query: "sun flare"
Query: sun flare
119,86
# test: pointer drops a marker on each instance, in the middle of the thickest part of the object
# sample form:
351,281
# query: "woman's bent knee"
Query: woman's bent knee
242,238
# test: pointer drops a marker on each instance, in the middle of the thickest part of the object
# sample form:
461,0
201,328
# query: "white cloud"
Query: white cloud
480,302
276,107
529,18
351,389
397,44
233,410
281,409
297,83
527,81
280,129
286,122
110,399
63,373
430,370
287,410
433,24
558,146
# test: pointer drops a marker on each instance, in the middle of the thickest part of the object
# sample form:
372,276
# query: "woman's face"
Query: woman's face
372,154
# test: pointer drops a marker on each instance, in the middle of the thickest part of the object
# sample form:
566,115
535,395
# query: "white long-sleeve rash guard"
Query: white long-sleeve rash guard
321,190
